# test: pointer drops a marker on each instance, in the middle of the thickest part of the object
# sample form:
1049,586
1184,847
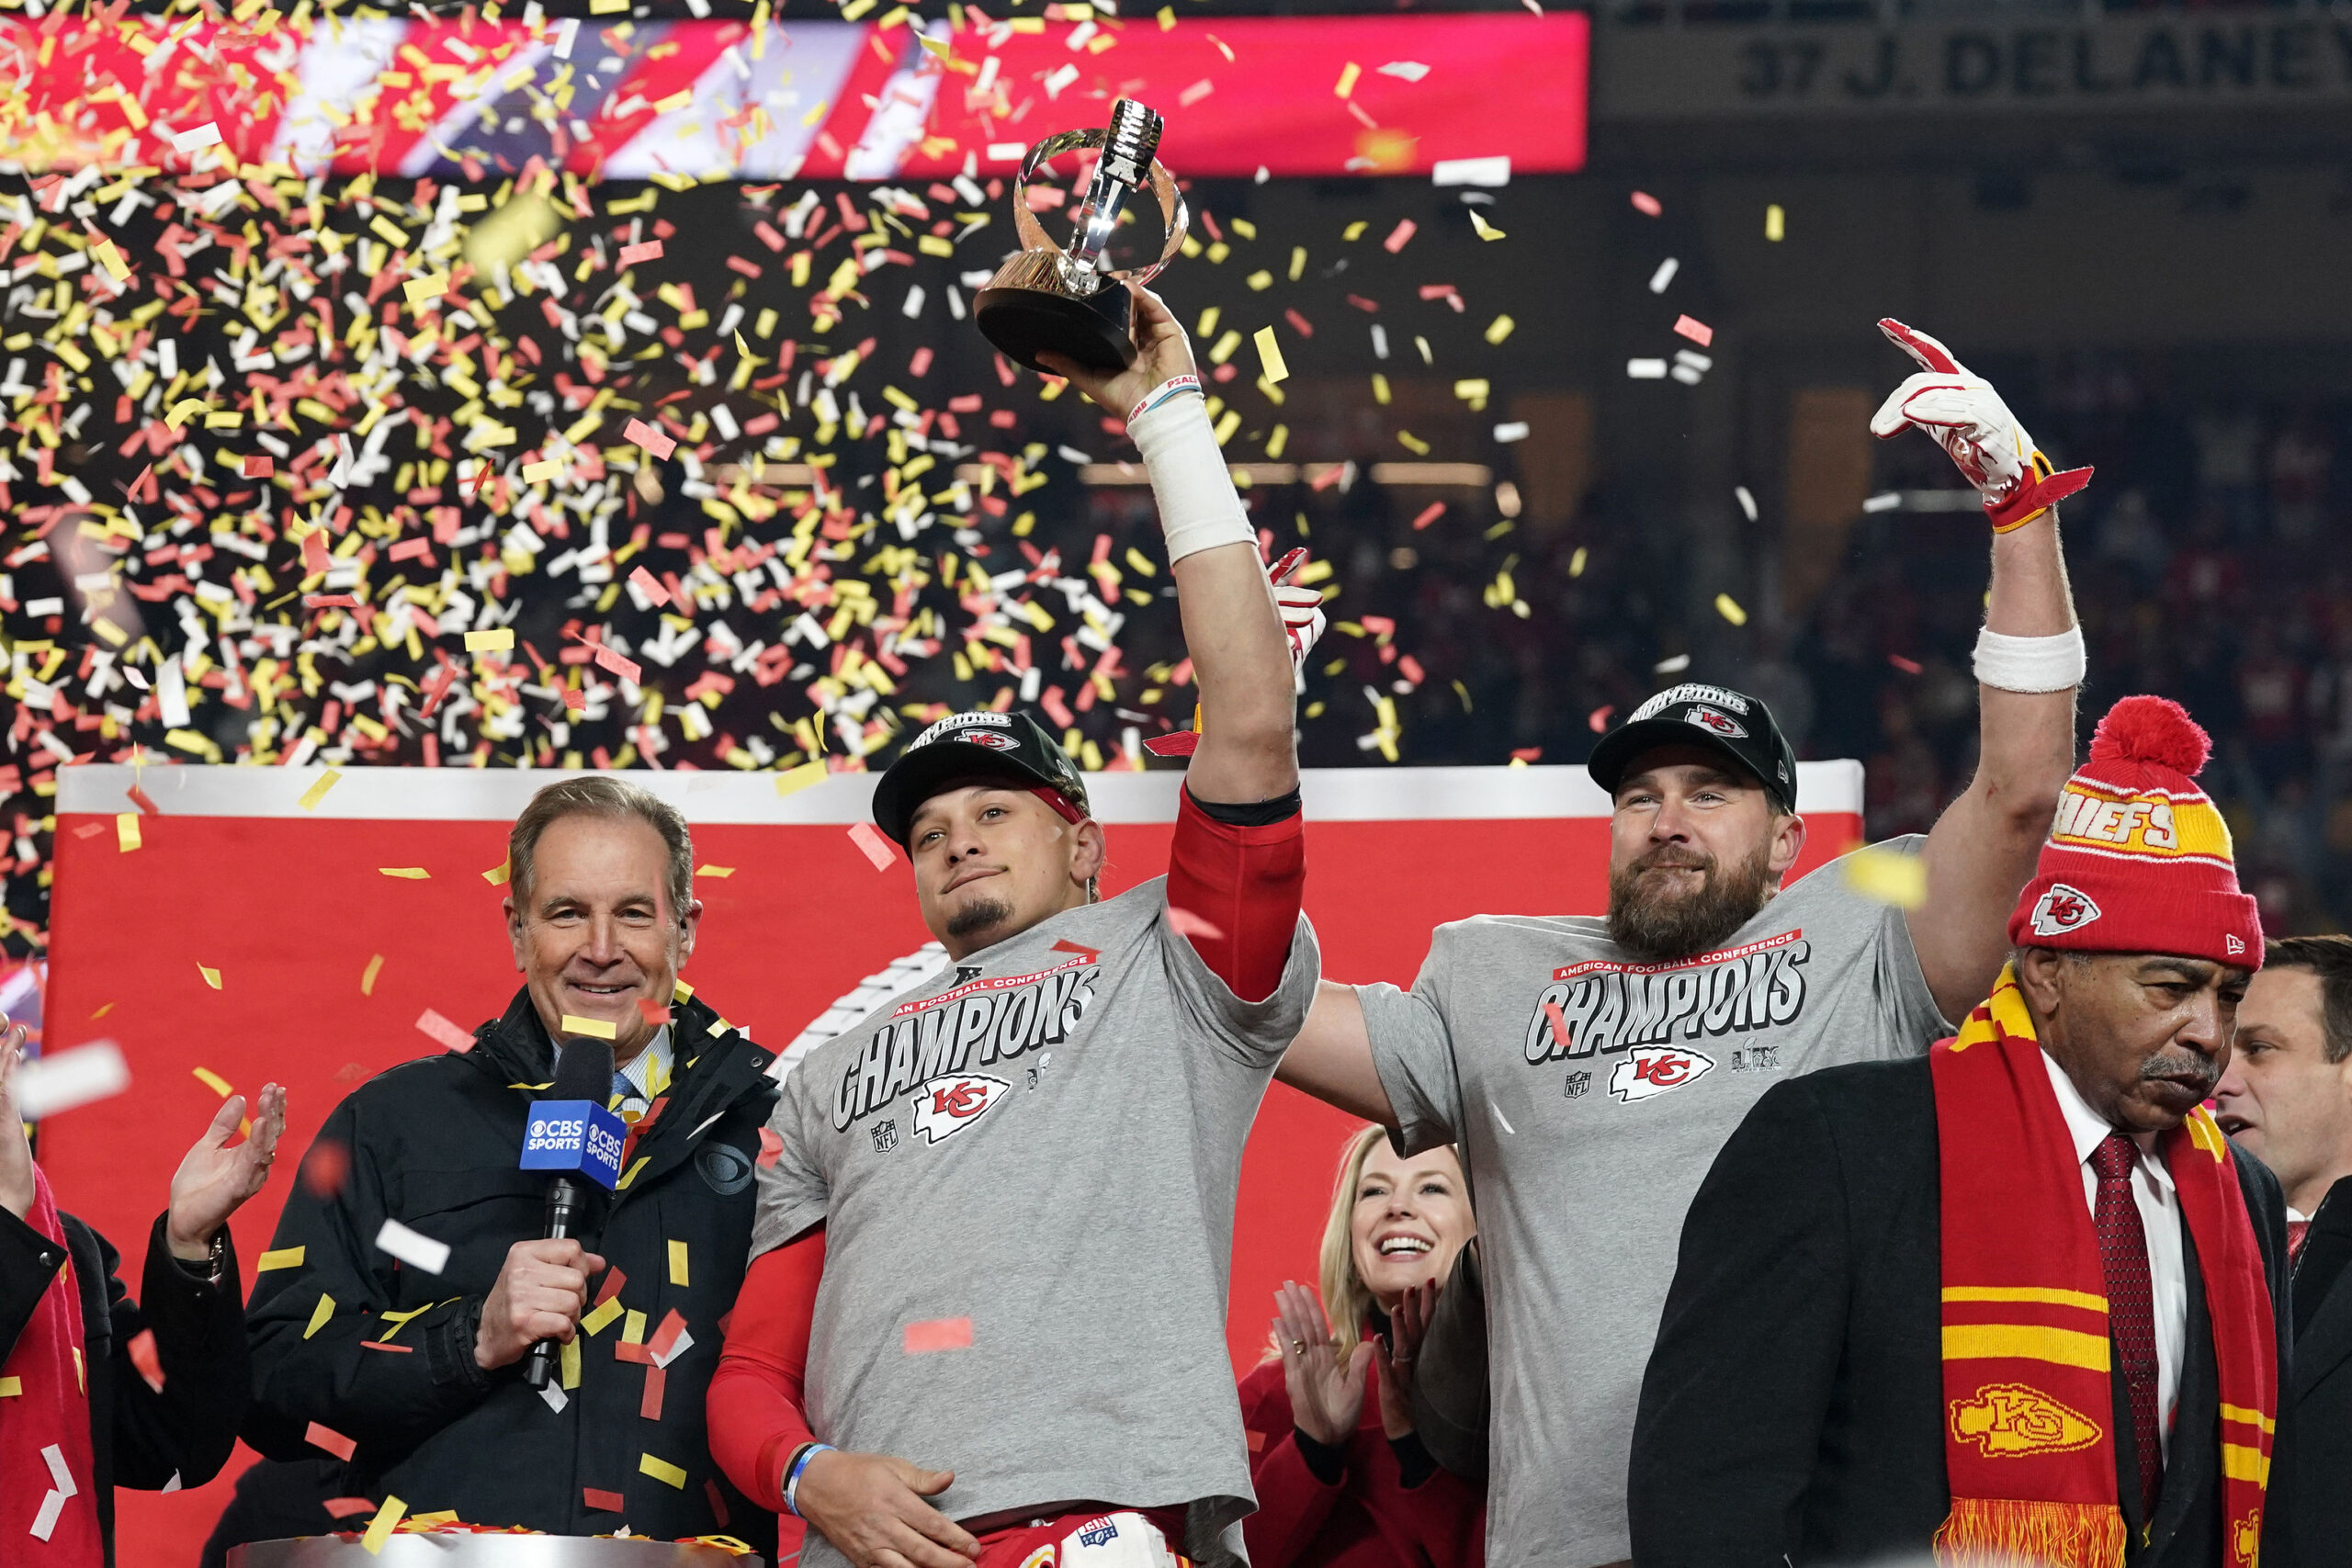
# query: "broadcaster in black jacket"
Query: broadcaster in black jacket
422,1371
140,1436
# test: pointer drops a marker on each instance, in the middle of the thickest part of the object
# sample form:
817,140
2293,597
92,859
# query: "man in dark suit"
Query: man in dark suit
2287,1100
2019,1295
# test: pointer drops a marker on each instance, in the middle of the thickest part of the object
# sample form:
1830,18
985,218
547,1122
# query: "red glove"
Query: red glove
1967,418
1303,623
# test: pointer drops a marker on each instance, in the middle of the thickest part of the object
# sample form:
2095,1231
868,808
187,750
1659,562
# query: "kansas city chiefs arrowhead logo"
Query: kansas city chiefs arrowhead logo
2062,909
1722,724
944,1106
1651,1070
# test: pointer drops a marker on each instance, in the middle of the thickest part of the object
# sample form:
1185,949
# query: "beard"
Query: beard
980,915
1659,926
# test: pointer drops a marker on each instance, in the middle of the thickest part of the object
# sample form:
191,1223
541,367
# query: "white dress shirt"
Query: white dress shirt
2152,1190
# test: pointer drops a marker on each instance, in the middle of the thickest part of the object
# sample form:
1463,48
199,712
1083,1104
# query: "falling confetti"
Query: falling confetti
1888,876
1728,608
939,1333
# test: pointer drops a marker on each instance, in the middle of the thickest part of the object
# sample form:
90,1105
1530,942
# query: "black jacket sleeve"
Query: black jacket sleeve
188,1426
305,1371
1729,1425
29,1262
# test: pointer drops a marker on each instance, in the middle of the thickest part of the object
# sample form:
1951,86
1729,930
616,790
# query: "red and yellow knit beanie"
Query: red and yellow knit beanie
2138,860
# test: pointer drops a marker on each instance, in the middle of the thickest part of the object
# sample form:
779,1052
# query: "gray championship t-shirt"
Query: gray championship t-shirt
1026,1168
1585,1151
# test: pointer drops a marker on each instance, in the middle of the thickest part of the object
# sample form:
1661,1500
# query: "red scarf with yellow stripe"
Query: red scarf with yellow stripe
2028,1396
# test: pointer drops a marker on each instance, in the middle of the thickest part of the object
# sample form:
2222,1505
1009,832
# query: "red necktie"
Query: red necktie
2296,1231
2131,1303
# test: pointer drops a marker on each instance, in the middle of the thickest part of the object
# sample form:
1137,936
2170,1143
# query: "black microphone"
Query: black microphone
572,1135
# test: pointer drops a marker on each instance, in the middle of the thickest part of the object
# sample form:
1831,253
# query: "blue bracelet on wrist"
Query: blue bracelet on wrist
791,1477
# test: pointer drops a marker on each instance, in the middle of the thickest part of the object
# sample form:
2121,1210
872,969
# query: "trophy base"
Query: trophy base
1022,323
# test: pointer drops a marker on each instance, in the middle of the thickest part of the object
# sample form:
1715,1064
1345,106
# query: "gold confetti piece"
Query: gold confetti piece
318,790
1499,329
389,231
211,978
1728,608
496,876
1889,876
126,830
535,473
678,1264
675,101
408,872
12,1388
597,1321
1775,222
574,1024
495,640
717,871
630,1174
368,979
1485,229
213,1081
793,780
1348,74
111,259
570,1359
420,289
387,1520
633,1331
662,1470
182,412
1269,354
319,1314
280,1257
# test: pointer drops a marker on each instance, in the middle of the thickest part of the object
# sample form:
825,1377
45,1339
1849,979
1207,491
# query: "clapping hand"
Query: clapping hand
215,1179
1326,1393
1407,1325
16,1153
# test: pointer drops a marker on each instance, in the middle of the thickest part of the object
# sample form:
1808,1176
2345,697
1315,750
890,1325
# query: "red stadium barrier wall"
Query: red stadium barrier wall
292,909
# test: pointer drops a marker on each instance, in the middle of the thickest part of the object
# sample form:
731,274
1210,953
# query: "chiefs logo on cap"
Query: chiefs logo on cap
991,739
1721,724
2062,909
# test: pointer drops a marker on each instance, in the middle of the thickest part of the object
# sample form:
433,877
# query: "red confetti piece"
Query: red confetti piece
637,432
143,1357
666,1336
1176,743
380,1345
419,549
1908,666
1598,720
330,1440
654,1013
626,669
1191,926
656,1380
871,842
346,1508
718,1501
771,1147
326,1167
640,1355
1398,235
645,583
1257,1442
1698,331
1527,753
939,1333
614,1280
602,1501
1429,515
443,1031
1066,945
1299,323
141,799
644,251
1559,1025
1646,204
257,466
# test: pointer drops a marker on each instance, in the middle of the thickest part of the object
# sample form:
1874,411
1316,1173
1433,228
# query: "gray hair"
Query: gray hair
614,800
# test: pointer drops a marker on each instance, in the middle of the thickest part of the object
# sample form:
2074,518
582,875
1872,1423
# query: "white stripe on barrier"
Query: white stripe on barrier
499,795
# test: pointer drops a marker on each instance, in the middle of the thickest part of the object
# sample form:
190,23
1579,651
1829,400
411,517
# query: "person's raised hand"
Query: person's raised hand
1326,1393
1407,1325
1301,608
1163,350
541,1290
15,1151
1966,417
871,1508
215,1179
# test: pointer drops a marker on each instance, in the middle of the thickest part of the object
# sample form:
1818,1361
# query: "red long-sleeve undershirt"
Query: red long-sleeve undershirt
1243,885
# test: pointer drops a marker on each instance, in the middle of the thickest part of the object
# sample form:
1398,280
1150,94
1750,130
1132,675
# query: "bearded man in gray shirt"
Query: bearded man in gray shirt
1588,1070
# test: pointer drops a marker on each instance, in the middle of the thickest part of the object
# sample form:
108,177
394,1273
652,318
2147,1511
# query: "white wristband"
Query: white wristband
2031,664
1198,508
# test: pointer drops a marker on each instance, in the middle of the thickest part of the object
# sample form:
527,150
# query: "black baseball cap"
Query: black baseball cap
1714,718
1011,746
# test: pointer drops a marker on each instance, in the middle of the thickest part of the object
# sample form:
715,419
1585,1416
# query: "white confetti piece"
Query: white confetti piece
555,1396
412,1248
1674,666
1406,70
45,1521
1490,172
205,135
677,1350
1514,431
49,1084
1747,501
1646,370
1664,274
565,31
58,1474
1500,1120
1884,500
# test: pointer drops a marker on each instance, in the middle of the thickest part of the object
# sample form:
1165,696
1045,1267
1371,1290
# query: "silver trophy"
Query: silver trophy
1069,301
